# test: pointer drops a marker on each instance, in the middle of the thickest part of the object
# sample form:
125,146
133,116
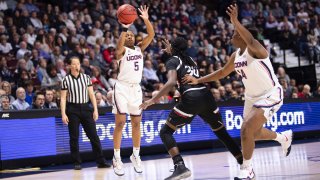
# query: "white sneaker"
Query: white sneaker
246,173
136,161
286,145
117,166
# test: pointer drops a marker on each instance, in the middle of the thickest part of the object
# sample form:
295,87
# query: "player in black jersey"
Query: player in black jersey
195,100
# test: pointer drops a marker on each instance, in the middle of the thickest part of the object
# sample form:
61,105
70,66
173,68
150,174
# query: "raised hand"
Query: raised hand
167,45
126,25
144,12
188,79
232,11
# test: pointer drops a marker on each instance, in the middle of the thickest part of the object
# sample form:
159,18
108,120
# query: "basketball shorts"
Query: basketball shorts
127,98
270,102
200,102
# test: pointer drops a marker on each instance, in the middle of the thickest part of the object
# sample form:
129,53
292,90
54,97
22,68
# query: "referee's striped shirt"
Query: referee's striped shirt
77,88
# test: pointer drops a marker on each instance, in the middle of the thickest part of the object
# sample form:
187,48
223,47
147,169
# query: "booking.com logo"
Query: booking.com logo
149,130
234,121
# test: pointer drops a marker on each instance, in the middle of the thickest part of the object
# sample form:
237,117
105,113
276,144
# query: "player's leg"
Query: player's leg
135,100
136,140
119,109
214,119
270,105
117,137
177,119
209,112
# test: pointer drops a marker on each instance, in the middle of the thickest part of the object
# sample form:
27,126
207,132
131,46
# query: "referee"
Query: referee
76,90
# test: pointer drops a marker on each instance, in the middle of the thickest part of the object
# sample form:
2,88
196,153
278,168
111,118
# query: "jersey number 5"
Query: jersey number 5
242,74
136,66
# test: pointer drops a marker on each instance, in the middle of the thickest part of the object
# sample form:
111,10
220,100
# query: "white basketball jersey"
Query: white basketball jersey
257,75
131,66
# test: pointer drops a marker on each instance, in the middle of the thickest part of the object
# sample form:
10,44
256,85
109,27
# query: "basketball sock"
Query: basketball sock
280,137
136,151
247,163
177,159
116,153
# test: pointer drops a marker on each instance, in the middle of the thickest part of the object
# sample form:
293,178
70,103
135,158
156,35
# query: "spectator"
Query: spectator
42,69
287,90
20,103
149,73
36,22
5,103
49,103
53,80
5,73
96,72
281,73
29,92
5,47
162,73
109,99
38,102
100,100
23,49
6,86
305,92
216,94
113,79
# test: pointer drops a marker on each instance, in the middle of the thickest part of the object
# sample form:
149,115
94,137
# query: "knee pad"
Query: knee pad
166,135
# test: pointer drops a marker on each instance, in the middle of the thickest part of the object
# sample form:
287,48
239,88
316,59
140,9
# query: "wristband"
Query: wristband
124,29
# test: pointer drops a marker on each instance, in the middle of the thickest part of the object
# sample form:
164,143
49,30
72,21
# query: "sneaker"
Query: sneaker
77,167
180,172
245,173
286,145
136,161
117,166
103,165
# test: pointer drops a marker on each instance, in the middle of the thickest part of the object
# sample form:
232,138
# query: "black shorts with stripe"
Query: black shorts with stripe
198,102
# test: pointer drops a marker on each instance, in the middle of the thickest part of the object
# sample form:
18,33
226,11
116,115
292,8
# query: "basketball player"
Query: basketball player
195,100
127,94
263,96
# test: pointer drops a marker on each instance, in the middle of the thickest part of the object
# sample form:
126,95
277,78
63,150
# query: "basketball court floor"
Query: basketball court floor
269,164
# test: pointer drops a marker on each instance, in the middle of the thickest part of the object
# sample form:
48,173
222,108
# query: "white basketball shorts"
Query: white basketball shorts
270,102
127,98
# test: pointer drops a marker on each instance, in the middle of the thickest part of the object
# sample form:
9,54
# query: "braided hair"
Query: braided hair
179,47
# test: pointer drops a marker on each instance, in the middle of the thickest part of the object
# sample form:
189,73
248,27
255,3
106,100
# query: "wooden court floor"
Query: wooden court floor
269,164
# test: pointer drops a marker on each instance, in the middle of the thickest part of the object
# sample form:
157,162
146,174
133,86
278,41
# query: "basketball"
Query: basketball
126,14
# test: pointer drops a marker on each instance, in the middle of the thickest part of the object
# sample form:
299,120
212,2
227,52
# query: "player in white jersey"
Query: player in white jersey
263,93
127,94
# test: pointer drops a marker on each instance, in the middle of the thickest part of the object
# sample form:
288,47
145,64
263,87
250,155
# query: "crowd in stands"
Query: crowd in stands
36,37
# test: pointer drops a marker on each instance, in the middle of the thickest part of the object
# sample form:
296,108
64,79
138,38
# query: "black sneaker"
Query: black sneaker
180,172
103,165
77,167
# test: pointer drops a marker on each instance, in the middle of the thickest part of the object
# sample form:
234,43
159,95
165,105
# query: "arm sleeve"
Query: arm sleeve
173,64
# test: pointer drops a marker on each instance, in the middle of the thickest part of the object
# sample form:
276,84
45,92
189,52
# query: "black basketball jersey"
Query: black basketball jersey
175,63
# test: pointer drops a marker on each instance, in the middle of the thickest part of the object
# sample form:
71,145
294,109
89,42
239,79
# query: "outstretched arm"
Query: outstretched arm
172,81
147,40
219,74
120,50
254,47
